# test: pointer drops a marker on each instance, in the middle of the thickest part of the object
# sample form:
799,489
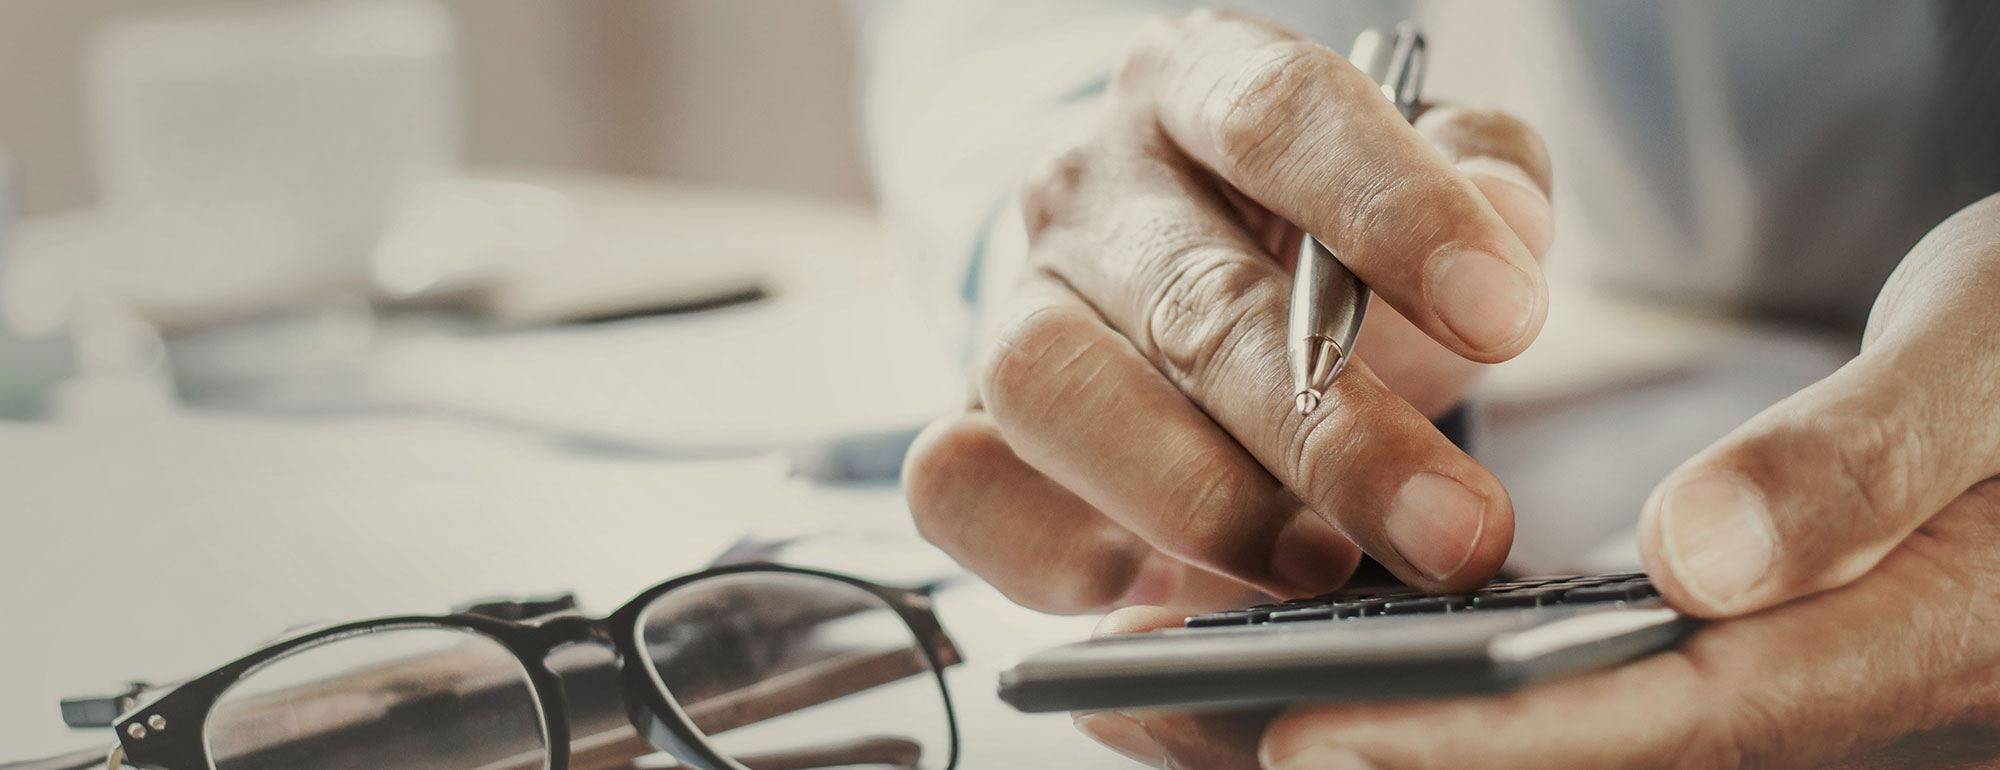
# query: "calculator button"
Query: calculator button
1304,613
1421,605
1529,597
1361,609
1213,620
1616,592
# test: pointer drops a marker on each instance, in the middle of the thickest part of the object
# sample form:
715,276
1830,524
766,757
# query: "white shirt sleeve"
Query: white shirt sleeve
962,100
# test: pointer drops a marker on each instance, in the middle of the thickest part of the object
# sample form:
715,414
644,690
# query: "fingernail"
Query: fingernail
1323,758
1717,536
1434,523
1122,734
1486,302
1309,555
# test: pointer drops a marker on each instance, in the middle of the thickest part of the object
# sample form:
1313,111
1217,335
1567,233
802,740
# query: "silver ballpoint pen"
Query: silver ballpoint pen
1328,301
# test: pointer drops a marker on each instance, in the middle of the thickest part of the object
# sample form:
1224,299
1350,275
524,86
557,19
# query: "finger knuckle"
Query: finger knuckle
1469,132
1028,352
1879,461
1475,128
1840,468
1155,41
1053,190
1255,111
942,479
1093,573
1497,126
938,469
1328,440
1388,205
1205,307
1211,493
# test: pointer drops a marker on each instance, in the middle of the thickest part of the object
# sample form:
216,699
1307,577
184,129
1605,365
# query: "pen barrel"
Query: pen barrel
1328,300
1328,303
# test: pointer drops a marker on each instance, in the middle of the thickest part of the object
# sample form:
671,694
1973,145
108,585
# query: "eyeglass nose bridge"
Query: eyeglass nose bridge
565,630
642,697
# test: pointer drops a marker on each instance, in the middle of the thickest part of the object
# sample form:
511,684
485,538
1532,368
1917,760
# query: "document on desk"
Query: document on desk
771,375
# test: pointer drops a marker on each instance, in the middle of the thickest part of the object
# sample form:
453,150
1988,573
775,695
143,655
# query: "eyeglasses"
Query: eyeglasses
749,667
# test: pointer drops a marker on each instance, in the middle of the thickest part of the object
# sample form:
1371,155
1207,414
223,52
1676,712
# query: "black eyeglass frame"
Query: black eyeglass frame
167,730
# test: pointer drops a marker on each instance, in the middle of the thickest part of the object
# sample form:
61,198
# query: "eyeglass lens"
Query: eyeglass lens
781,670
419,697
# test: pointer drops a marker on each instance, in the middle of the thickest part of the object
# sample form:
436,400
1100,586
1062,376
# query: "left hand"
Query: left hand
1848,538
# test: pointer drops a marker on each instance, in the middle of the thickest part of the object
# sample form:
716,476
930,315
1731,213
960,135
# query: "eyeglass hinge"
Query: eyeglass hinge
101,710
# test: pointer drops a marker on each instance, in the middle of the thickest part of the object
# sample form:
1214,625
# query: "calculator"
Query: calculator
1359,644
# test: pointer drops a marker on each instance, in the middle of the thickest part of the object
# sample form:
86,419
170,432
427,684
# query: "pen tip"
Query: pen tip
1308,401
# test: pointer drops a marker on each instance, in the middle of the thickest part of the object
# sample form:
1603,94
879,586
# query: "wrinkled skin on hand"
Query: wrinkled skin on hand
1130,441
1132,436
1850,554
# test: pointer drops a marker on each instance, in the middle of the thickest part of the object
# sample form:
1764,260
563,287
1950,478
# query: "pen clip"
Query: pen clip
1404,81
1396,59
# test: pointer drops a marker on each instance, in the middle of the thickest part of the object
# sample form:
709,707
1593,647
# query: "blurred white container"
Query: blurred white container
252,157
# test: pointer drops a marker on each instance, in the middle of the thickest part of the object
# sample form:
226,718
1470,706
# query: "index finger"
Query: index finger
1298,129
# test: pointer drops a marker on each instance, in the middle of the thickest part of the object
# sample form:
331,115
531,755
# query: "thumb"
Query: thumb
1813,492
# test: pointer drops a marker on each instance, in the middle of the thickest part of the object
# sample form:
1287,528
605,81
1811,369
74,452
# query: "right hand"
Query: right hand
1132,438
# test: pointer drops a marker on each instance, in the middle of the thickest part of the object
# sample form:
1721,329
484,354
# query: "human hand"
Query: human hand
1851,536
1132,438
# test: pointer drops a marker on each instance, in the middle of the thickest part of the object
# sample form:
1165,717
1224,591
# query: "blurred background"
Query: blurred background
319,309
702,93
619,87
